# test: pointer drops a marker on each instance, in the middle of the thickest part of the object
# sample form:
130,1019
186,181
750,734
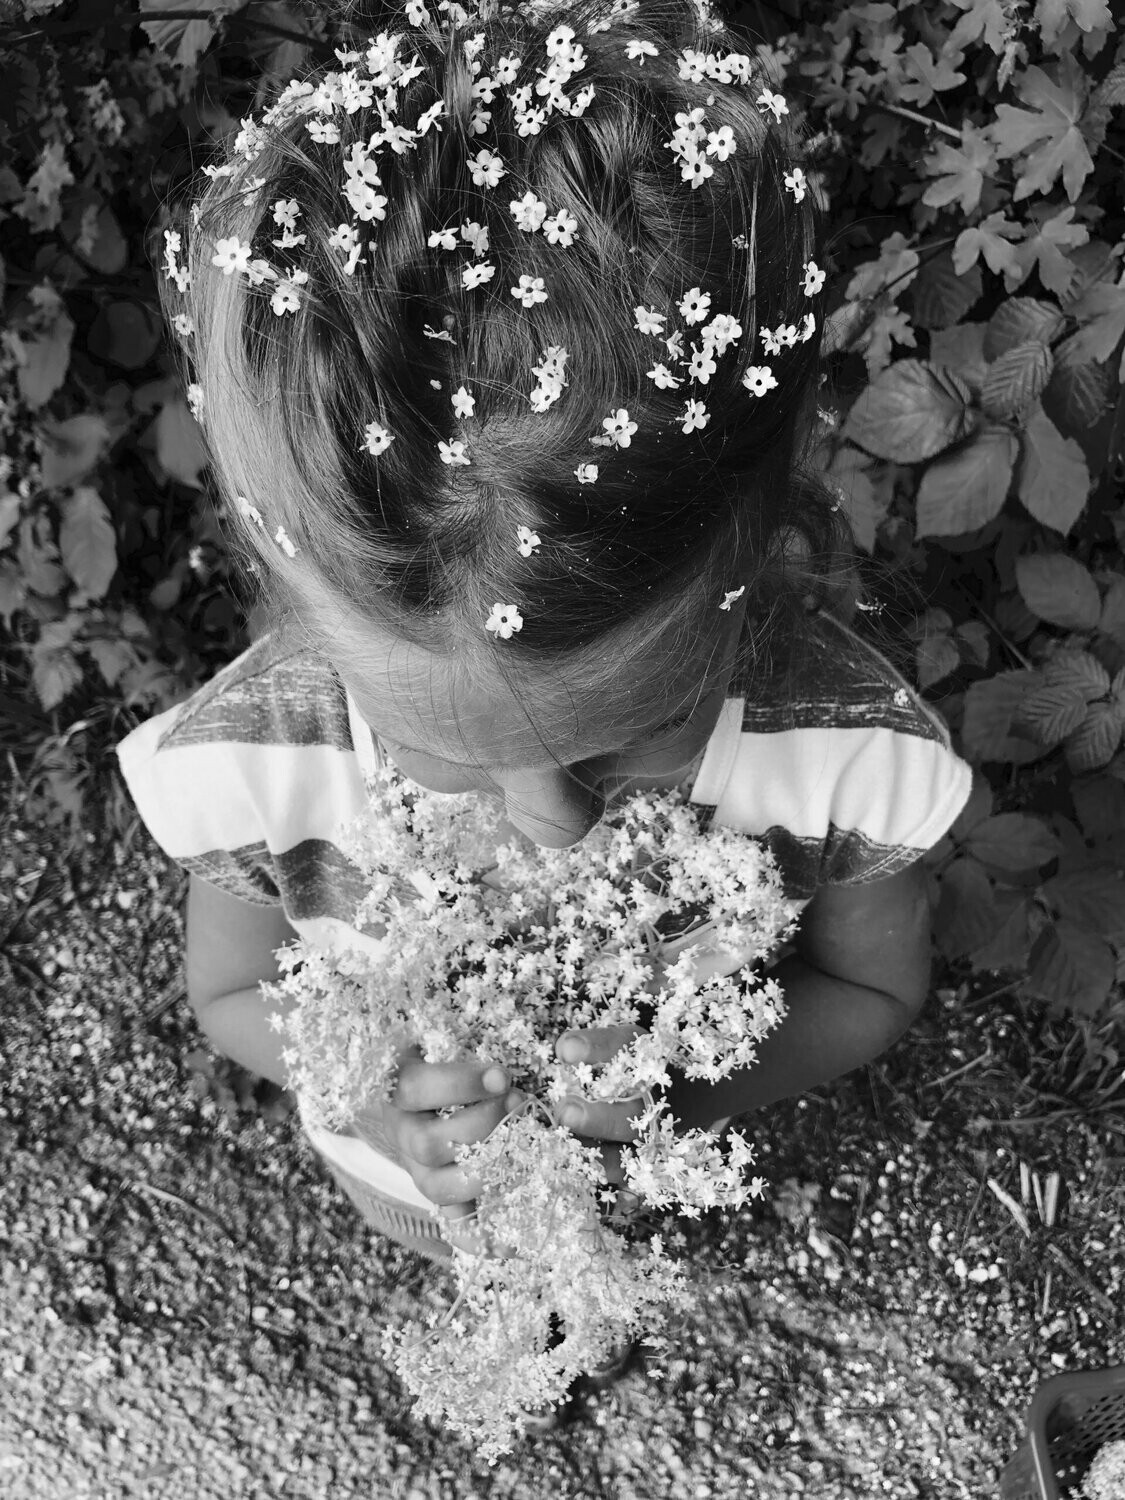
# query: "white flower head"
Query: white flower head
249,512
376,438
527,540
453,453
463,402
814,278
530,291
586,473
636,51
730,596
775,103
648,320
797,183
758,379
281,537
231,255
528,212
619,429
695,417
504,621
561,228
695,305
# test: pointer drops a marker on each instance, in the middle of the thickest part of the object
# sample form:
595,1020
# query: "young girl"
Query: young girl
504,337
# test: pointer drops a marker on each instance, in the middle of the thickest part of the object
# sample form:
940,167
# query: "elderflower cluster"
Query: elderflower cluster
492,948
1105,1478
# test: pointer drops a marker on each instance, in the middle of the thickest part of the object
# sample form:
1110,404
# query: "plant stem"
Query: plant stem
913,114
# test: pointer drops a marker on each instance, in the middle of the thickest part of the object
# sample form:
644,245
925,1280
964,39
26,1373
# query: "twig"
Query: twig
1011,1205
1043,1306
920,119
987,618
936,1083
1084,1281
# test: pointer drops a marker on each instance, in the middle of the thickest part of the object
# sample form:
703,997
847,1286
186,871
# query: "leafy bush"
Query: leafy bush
970,154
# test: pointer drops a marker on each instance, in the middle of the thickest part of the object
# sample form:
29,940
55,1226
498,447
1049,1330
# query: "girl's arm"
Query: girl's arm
857,980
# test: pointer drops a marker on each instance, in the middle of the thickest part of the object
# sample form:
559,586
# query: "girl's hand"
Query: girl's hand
596,1120
422,1140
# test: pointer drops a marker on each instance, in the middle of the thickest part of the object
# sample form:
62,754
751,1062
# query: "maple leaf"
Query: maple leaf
990,238
982,17
931,74
1045,244
1088,15
894,270
960,170
1049,131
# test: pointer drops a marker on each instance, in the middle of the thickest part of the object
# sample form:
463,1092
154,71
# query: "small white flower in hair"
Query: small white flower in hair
693,65
463,403
695,415
582,100
586,473
281,537
435,385
324,132
696,169
506,69
183,325
797,183
416,13
663,378
561,228
444,336
530,291
758,379
530,122
695,305
527,540
476,235
730,596
487,169
701,366
260,271
453,453
558,43
721,332
504,621
808,329
648,320
814,278
231,255
194,395
740,242
619,429
287,299
428,119
721,142
774,102
477,274
445,239
250,512
528,212
775,338
637,51
674,344
376,438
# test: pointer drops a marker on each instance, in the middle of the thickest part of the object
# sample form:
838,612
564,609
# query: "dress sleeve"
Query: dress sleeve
192,800
896,795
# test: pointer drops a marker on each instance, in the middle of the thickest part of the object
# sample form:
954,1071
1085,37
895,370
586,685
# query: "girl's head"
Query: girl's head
507,334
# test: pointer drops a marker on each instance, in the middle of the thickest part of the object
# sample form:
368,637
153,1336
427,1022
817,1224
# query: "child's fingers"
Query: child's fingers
430,1139
597,1045
597,1120
427,1086
447,1186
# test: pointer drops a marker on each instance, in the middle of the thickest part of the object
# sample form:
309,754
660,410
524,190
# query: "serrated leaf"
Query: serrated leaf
1094,743
181,40
1079,392
125,333
910,412
935,657
1013,841
1071,966
112,657
964,490
1099,802
1101,313
986,728
72,448
1108,95
966,914
46,359
55,674
1016,379
961,349
1078,669
939,297
1047,133
1054,481
1092,896
88,542
1059,590
863,506
1052,712
1009,945
974,642
1017,320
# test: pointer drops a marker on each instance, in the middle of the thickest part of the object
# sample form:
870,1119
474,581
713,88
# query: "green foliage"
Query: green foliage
969,154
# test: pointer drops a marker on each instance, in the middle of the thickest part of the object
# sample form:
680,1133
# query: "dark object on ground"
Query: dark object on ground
1070,1417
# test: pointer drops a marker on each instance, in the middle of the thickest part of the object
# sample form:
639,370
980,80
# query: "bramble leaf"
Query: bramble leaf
1054,481
935,656
1094,743
1093,896
939,297
986,729
1048,132
1071,965
1059,590
1016,379
72,448
961,349
1007,947
1101,313
964,490
1080,669
910,412
179,443
1018,319
965,916
54,673
1111,622
959,171
43,359
849,468
1080,390
1013,841
1052,712
88,542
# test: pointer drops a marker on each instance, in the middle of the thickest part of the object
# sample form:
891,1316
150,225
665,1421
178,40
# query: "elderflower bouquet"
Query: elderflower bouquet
486,946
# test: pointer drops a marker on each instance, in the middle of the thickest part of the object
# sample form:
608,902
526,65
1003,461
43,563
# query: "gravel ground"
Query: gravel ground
189,1308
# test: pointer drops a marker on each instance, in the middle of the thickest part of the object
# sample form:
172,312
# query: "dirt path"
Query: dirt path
189,1309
